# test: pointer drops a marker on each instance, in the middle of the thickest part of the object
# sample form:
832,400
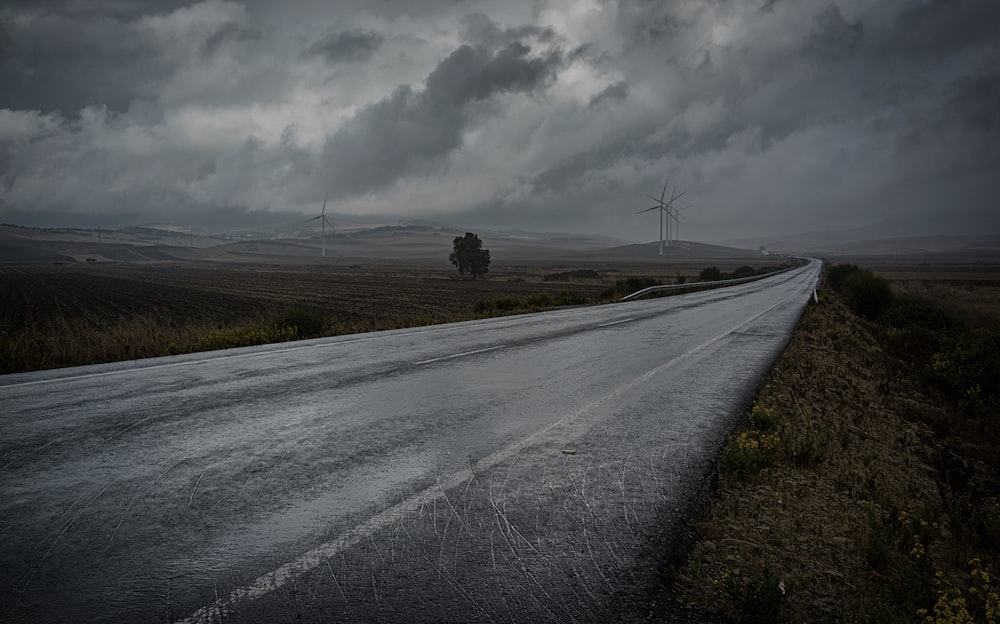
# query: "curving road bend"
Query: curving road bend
524,469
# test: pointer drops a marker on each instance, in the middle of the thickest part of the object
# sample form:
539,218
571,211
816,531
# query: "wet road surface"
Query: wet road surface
524,469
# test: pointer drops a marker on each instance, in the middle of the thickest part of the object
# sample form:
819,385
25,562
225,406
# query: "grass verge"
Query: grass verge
866,484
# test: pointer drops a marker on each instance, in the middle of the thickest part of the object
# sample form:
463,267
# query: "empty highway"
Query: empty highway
521,469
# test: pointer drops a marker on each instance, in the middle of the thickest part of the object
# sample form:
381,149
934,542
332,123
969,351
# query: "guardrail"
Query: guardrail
697,285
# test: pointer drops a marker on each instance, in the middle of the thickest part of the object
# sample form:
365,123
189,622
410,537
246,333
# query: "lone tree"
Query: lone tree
470,256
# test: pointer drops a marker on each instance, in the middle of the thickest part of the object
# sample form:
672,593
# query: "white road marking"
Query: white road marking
312,559
458,355
617,322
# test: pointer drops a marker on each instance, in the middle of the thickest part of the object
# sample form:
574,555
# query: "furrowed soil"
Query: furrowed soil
879,499
54,316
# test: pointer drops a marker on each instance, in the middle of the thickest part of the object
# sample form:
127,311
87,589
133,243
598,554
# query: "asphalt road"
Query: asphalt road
530,468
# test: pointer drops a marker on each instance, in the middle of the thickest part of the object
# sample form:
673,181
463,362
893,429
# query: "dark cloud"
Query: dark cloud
479,29
939,28
613,94
63,58
774,116
410,131
832,36
54,62
347,46
975,100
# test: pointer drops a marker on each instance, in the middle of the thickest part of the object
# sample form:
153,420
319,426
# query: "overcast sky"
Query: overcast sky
773,116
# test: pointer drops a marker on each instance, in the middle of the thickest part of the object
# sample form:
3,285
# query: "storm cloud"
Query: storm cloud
774,117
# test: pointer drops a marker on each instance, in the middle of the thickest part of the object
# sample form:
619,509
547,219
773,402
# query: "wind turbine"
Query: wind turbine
677,223
664,207
323,221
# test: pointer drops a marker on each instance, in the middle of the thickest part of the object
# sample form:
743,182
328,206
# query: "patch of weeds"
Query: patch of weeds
879,543
628,286
247,336
807,448
749,452
570,298
764,419
565,276
757,599
300,323
711,274
985,523
499,305
540,300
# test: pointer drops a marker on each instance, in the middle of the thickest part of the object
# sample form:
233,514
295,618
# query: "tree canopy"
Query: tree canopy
469,255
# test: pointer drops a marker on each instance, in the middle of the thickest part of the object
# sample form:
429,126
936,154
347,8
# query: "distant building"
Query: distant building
764,251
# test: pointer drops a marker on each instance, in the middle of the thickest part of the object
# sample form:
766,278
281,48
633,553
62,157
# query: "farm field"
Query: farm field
54,316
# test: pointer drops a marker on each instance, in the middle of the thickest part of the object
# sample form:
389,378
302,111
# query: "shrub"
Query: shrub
247,336
570,298
299,322
746,454
867,294
540,300
764,419
836,275
755,599
628,286
909,313
711,274
970,370
744,271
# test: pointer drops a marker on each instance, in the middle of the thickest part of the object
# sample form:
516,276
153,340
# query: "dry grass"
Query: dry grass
54,316
856,513
975,302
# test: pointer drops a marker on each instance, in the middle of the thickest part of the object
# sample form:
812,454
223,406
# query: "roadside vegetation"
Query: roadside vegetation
865,483
713,274
69,316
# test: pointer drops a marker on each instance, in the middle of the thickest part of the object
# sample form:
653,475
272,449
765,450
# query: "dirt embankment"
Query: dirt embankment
856,495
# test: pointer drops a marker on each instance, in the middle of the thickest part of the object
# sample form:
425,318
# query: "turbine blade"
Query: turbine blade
654,199
314,218
664,192
648,209
323,212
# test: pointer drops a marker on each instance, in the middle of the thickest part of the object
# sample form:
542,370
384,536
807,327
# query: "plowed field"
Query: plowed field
77,314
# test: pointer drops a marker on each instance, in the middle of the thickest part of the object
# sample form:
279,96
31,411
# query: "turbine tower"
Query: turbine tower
664,207
323,221
677,222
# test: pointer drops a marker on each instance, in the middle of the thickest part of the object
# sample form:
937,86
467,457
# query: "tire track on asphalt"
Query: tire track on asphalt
313,559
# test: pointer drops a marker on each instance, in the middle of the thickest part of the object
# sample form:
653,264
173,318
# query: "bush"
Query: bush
711,274
247,336
628,286
764,419
916,331
971,369
837,275
746,454
757,600
908,313
570,298
540,300
300,323
867,294
744,271
502,304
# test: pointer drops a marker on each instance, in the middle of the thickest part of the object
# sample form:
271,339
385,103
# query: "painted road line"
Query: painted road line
309,561
618,322
457,355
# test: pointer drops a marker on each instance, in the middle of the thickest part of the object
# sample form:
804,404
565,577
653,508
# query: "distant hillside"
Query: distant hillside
385,244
